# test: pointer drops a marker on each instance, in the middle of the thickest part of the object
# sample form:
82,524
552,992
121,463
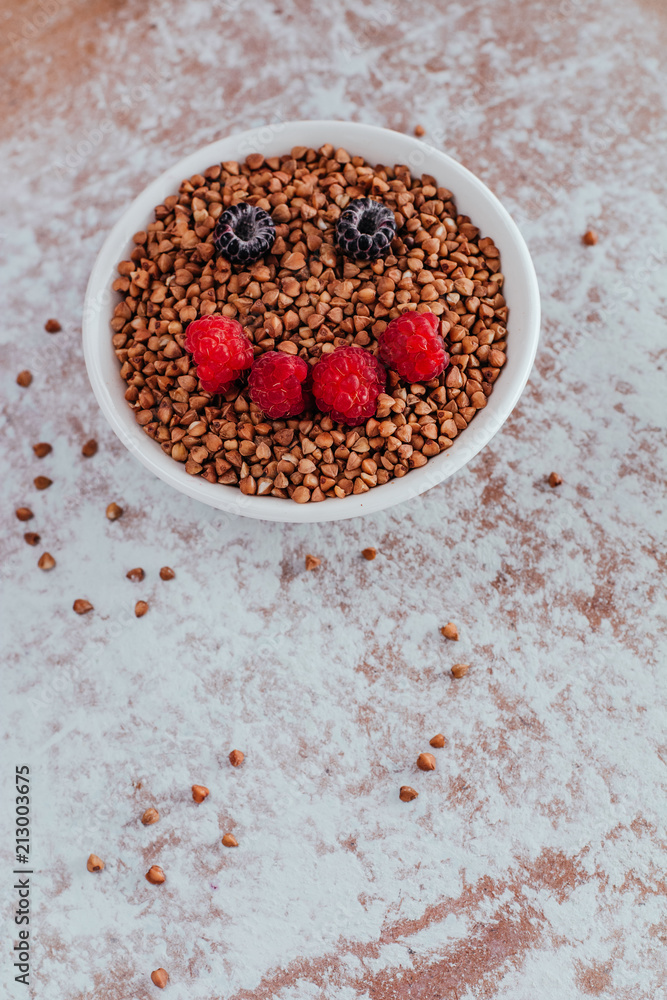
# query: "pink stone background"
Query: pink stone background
532,864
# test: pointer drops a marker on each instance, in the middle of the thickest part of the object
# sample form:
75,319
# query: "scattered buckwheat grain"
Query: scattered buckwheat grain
450,631
426,762
155,875
199,793
160,978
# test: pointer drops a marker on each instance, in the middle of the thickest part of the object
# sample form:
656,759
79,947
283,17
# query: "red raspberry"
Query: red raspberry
220,349
277,383
412,346
346,384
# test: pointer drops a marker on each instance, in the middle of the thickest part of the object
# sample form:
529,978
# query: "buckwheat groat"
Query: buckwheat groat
306,297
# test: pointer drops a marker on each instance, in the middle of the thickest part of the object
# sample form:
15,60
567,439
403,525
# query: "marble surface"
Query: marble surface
532,863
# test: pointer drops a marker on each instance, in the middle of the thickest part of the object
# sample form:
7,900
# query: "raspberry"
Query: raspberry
346,384
244,233
220,350
365,229
412,346
277,383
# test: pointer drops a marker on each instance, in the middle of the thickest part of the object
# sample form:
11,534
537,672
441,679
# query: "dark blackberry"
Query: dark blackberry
365,229
244,233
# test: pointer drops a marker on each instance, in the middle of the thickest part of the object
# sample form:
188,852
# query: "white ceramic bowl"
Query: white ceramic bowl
377,145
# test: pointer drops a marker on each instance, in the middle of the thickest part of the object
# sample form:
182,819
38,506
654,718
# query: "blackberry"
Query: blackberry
244,233
365,229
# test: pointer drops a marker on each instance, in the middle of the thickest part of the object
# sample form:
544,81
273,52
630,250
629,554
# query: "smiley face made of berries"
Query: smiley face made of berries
344,383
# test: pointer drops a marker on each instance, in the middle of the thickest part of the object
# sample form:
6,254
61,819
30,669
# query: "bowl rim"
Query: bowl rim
98,302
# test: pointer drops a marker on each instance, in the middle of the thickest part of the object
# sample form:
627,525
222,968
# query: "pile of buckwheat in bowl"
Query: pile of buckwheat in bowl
308,326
